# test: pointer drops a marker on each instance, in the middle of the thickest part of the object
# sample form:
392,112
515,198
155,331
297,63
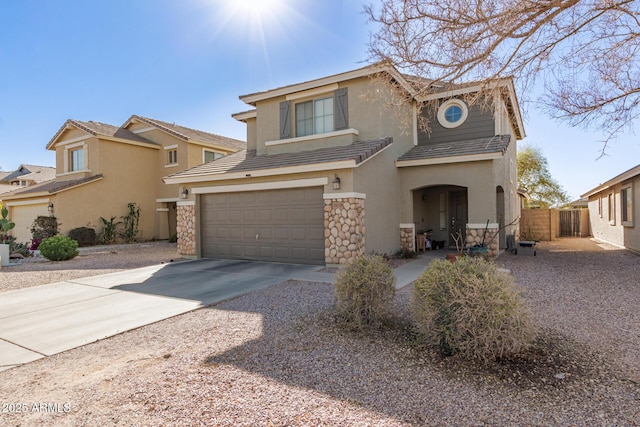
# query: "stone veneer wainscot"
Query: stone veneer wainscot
344,229
186,228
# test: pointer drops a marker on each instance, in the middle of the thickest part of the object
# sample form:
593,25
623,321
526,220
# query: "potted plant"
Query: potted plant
5,225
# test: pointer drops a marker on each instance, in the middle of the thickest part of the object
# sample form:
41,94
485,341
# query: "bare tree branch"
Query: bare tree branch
585,51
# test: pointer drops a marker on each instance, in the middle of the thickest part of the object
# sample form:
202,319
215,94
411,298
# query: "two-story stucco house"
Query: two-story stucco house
332,171
100,168
613,210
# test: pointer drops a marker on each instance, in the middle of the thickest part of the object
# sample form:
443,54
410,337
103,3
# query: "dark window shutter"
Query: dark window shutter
341,113
285,120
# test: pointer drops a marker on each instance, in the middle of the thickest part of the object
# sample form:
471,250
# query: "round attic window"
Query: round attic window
452,113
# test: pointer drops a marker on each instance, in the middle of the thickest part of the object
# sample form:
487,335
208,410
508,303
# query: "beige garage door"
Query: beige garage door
24,216
273,225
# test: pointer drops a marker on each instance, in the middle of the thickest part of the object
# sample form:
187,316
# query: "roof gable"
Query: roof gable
102,130
188,134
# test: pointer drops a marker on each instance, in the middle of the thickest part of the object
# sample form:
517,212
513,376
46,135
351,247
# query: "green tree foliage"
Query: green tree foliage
535,178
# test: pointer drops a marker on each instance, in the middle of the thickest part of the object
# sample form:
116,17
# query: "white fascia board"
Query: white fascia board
222,176
260,186
187,203
168,200
446,160
28,202
245,115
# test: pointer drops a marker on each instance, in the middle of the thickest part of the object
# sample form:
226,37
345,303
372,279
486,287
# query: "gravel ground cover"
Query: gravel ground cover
276,357
91,261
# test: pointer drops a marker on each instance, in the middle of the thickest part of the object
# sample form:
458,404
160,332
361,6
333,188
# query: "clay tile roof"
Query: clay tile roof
494,144
53,187
245,161
187,134
100,129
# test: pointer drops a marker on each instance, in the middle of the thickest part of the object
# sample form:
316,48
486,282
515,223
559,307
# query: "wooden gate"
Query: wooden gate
570,223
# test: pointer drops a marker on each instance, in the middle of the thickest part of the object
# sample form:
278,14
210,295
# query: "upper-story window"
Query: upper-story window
327,112
452,113
211,155
76,160
314,117
172,157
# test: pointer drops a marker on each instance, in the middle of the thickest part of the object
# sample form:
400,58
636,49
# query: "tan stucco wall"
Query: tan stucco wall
616,233
251,134
124,181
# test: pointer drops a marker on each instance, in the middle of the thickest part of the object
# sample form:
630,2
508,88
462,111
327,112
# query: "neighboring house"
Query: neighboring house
25,176
331,171
100,168
613,210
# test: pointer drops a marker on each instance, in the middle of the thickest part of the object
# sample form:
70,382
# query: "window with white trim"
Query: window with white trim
172,156
626,202
76,159
452,113
600,206
313,117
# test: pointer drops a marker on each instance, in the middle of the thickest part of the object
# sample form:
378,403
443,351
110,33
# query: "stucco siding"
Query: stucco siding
626,234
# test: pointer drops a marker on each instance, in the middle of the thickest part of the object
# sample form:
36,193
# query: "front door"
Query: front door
458,215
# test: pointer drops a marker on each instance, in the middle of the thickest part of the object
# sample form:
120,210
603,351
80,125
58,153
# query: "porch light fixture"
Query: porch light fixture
336,182
184,193
50,208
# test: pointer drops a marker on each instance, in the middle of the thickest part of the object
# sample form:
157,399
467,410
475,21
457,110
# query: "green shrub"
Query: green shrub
364,291
85,236
58,248
109,231
470,308
43,227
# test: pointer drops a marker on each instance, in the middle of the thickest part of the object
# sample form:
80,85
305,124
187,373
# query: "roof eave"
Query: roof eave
450,159
369,70
624,176
255,173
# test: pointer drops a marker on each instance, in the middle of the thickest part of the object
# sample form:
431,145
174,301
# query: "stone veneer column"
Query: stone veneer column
343,227
475,234
408,237
186,228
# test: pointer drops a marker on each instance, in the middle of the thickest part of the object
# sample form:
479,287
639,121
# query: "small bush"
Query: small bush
44,226
85,236
59,248
470,308
364,291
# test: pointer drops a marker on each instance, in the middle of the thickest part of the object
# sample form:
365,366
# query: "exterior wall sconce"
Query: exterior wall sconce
184,193
336,182
50,208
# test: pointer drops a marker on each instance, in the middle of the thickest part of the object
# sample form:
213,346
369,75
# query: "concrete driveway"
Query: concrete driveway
43,320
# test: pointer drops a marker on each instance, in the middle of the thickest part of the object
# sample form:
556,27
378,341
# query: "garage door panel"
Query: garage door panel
289,225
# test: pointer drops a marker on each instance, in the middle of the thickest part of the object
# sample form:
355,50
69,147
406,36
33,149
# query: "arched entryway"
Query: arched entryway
442,211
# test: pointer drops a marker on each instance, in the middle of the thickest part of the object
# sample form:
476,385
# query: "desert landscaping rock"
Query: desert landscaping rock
276,357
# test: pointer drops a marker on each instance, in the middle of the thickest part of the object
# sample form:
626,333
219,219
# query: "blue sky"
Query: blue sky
187,62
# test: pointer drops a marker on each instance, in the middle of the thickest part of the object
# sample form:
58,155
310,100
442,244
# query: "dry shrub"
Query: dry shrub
364,291
470,308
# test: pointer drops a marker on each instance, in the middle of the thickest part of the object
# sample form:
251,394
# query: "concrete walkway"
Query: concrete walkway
43,320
